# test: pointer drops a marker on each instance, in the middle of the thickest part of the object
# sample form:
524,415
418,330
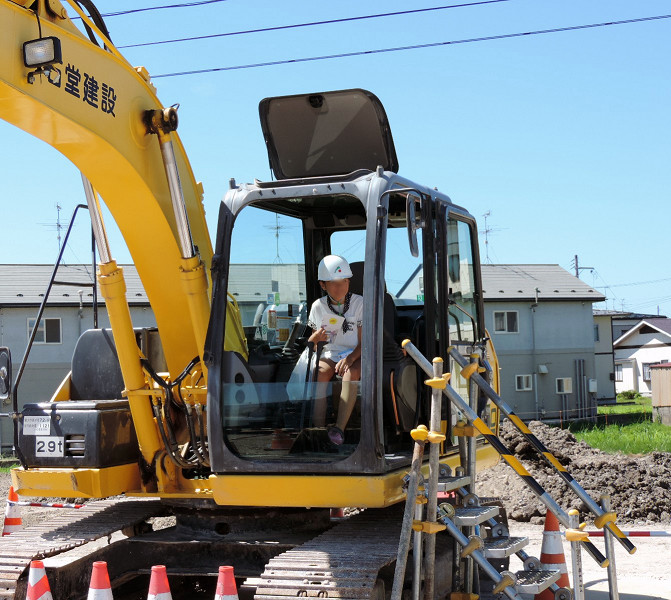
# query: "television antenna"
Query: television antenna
57,225
486,232
277,228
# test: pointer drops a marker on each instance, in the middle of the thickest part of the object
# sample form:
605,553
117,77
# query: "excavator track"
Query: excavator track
67,529
343,562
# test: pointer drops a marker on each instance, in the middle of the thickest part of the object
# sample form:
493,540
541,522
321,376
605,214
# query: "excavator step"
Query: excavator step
502,547
470,516
450,484
534,582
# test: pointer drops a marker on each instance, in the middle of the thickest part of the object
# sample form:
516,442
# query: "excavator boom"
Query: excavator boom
91,107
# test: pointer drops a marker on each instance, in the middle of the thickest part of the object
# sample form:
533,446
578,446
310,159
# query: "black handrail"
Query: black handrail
33,333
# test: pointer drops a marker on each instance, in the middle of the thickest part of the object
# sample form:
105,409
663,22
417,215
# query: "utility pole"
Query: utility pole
578,268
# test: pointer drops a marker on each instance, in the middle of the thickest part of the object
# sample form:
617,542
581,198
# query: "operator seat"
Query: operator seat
399,372
100,378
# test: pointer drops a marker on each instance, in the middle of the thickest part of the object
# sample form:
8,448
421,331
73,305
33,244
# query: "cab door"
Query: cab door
459,286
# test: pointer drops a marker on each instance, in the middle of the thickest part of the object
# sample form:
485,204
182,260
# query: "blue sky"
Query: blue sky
564,138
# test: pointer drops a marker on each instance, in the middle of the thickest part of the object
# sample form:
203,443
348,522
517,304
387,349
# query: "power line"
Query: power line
311,24
413,47
650,281
165,6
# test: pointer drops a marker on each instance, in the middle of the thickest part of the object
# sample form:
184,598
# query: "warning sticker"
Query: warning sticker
36,425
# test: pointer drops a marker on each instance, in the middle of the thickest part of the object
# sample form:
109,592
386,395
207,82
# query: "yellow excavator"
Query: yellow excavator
208,417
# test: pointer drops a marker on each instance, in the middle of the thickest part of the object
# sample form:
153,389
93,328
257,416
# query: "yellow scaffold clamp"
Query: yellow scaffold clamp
462,429
430,527
474,543
471,368
577,535
604,519
420,434
438,383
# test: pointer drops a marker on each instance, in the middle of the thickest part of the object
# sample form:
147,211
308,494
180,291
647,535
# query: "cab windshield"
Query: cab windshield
273,408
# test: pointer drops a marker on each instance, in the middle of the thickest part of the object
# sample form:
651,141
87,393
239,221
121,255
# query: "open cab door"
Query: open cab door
326,134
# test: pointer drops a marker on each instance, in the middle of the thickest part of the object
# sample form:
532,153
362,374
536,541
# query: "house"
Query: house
541,322
623,321
69,312
645,344
661,393
539,316
604,355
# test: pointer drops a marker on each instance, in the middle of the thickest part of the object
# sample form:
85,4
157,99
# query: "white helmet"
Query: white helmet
333,267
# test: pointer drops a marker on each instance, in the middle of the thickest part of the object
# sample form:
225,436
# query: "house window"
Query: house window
523,383
505,321
618,373
48,332
596,332
564,385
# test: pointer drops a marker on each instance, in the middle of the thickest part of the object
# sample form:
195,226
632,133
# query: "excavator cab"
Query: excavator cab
414,259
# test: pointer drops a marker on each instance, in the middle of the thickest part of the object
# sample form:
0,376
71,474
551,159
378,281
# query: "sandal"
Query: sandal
336,435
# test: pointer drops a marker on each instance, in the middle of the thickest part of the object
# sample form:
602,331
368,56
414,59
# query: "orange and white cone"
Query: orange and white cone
226,589
13,520
100,588
552,555
38,584
159,589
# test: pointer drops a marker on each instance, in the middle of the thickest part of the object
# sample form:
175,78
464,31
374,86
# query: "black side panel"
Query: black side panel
78,434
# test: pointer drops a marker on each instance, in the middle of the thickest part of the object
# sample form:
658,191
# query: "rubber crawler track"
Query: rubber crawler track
66,530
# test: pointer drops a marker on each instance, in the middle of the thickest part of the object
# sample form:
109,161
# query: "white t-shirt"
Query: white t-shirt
343,343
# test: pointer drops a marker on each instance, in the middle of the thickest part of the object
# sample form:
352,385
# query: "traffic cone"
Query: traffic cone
226,589
159,589
38,584
337,513
552,555
100,588
13,520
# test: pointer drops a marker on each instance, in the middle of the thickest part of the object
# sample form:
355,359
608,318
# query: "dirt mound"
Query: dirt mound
639,486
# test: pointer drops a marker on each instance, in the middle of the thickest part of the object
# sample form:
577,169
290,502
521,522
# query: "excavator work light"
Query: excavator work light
42,52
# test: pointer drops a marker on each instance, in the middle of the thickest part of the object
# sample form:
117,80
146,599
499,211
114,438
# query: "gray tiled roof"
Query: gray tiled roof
660,323
25,285
519,282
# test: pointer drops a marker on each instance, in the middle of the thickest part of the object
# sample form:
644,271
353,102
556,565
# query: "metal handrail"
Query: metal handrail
33,333
505,453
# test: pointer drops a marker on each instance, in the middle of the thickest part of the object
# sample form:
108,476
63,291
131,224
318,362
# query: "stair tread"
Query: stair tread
447,484
502,547
534,582
474,515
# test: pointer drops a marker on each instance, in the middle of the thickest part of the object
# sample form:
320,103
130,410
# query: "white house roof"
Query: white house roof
25,285
528,282
662,325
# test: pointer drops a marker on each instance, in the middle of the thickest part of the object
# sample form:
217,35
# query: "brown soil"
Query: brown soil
639,486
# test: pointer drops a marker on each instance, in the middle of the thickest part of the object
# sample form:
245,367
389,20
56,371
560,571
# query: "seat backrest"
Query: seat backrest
96,374
390,316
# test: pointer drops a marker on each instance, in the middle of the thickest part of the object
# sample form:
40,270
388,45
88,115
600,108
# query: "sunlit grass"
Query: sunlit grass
642,407
636,438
